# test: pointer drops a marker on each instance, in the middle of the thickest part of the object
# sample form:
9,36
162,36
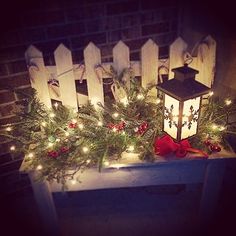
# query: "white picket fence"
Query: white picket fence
149,67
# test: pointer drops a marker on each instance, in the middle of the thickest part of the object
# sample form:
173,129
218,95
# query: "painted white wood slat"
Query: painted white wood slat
149,64
65,76
121,59
92,57
206,59
177,50
38,74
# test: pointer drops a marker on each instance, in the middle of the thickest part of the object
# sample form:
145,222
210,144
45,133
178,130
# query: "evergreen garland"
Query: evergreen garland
59,142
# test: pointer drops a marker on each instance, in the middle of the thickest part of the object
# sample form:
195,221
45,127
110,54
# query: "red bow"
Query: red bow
166,145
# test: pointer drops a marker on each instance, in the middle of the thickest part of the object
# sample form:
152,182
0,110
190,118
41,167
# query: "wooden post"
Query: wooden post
149,60
177,50
38,74
211,188
92,57
46,207
65,76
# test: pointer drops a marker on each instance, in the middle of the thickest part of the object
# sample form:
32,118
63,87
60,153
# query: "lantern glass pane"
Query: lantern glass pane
190,117
171,116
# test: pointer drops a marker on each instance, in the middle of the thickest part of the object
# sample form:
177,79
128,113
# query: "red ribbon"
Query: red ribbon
166,145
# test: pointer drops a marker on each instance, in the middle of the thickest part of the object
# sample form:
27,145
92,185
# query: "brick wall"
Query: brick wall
74,23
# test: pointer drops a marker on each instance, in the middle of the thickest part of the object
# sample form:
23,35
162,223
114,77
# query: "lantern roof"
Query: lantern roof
183,86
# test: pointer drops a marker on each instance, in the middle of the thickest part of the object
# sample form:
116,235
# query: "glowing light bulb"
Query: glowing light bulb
140,96
51,115
115,114
211,93
221,128
130,148
106,163
13,148
74,121
67,133
88,161
58,140
44,124
158,101
81,126
30,155
114,129
56,105
123,132
124,101
100,123
39,167
85,149
50,144
8,129
228,102
214,127
73,181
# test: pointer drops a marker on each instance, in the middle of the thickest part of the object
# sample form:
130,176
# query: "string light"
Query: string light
58,140
115,114
81,126
30,155
85,149
67,134
221,128
130,148
13,148
124,101
8,129
51,115
211,93
214,127
56,105
158,101
106,163
39,167
123,132
88,161
44,124
100,123
114,129
228,102
74,121
73,181
140,96
50,144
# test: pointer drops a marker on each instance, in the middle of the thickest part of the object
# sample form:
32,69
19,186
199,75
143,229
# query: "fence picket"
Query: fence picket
65,76
206,59
38,74
92,57
149,64
121,59
177,50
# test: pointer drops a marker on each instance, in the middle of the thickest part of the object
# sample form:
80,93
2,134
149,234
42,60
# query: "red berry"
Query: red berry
72,125
53,154
215,148
64,149
207,142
